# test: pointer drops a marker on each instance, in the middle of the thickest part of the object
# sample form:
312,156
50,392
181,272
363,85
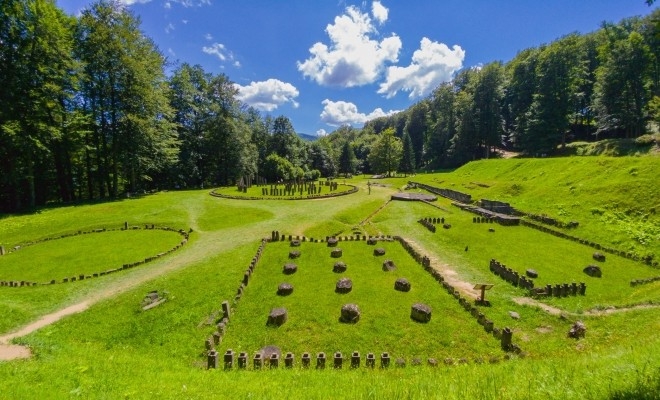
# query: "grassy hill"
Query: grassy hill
114,349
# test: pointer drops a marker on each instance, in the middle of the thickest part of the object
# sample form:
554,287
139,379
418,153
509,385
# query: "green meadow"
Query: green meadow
115,349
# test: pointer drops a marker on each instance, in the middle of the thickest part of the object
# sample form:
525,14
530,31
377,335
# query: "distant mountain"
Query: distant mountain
309,138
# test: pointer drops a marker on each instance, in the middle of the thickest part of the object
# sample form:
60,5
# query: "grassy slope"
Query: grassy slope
615,200
114,350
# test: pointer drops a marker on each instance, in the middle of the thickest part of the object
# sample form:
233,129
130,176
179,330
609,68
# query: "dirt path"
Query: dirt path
447,271
199,250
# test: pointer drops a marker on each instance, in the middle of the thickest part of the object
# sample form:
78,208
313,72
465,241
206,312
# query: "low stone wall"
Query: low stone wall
644,281
447,193
522,281
322,360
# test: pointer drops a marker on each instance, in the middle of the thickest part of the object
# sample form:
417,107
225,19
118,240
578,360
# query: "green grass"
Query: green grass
385,325
116,350
84,254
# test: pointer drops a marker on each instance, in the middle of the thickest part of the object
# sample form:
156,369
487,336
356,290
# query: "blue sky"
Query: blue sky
326,63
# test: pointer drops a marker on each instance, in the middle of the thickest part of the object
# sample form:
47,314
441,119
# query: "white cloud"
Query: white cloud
131,2
338,113
353,58
432,64
169,28
268,95
379,11
321,132
208,37
219,50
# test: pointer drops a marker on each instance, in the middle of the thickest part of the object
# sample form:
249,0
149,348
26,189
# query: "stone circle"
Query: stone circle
402,285
350,313
339,267
284,289
420,312
344,285
332,242
277,316
290,268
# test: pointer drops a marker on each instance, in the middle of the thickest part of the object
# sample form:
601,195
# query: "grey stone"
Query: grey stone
532,273
379,251
420,312
339,267
402,285
514,315
593,271
277,316
350,313
344,285
388,265
284,289
578,330
290,268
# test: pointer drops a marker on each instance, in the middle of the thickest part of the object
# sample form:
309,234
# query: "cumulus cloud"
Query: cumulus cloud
353,57
321,132
432,64
268,95
379,11
338,113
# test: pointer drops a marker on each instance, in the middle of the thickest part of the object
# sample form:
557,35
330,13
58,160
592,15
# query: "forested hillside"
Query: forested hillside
88,112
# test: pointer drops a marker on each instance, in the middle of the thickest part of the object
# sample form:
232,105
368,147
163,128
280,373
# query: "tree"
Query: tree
622,85
286,143
416,128
37,77
407,163
442,117
347,161
124,92
386,152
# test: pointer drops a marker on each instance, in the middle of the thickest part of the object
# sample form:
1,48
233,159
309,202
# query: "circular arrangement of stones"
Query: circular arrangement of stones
339,267
344,285
388,265
284,289
379,251
294,254
402,285
420,312
277,316
24,283
336,253
290,268
350,313
332,242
